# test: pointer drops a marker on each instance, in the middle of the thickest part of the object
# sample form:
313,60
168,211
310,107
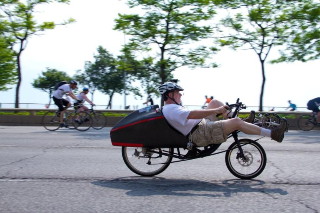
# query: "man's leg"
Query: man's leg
65,105
234,124
59,103
61,116
318,117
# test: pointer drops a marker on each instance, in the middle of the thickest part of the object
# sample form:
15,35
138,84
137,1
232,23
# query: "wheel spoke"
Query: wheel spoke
146,161
82,121
50,121
248,165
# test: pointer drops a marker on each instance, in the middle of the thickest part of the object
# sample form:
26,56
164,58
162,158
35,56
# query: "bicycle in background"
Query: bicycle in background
98,119
73,120
308,122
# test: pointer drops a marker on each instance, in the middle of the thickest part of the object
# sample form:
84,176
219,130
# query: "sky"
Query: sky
67,48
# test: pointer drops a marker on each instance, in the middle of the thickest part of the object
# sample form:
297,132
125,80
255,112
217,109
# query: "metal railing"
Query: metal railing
135,107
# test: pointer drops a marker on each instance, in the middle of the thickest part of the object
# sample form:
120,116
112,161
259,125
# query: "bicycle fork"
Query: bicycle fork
240,153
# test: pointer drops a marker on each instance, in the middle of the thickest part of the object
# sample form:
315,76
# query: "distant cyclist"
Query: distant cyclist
82,97
292,106
64,104
313,105
149,100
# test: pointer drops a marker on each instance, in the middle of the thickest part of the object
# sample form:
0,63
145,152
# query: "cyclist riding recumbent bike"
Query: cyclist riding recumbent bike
150,140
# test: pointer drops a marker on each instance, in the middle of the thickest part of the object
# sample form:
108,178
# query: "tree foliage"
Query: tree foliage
164,34
48,79
302,42
20,24
104,74
7,65
260,26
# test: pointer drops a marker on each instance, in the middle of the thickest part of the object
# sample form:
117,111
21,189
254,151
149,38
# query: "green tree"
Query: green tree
303,40
7,65
136,71
259,26
166,34
104,74
21,25
48,79
7,61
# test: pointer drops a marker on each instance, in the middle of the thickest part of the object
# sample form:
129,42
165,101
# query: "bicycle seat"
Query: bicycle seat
147,127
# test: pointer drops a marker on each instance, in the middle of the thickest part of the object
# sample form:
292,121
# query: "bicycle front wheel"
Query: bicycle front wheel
98,120
51,121
251,164
146,161
305,123
82,121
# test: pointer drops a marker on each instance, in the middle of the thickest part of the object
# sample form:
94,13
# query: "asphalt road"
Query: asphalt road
72,171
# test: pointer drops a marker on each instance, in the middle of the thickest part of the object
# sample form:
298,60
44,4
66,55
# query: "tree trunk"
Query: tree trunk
262,85
19,79
109,106
49,100
21,48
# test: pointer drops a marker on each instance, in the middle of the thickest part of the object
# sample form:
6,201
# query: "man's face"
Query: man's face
73,86
176,95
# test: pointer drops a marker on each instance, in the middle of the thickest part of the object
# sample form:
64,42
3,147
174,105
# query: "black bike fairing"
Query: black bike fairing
146,127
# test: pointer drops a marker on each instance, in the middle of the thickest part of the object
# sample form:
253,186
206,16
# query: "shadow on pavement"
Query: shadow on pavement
144,186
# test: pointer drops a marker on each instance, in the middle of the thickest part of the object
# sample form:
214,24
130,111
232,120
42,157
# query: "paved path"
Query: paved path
71,171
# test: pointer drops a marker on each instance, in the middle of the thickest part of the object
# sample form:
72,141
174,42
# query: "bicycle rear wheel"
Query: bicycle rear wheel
146,161
305,122
51,121
251,164
98,120
82,121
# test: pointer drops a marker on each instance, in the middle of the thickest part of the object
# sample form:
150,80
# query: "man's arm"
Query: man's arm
199,114
72,96
87,99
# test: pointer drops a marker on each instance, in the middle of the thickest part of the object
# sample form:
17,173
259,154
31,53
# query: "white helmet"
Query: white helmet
168,87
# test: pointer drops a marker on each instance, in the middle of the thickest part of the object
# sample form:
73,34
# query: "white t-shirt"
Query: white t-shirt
81,97
61,91
177,115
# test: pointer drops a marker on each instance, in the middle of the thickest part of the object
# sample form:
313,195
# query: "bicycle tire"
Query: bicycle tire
98,120
147,161
51,121
252,166
82,121
305,123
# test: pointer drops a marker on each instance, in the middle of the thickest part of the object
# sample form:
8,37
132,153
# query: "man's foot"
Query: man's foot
277,134
251,117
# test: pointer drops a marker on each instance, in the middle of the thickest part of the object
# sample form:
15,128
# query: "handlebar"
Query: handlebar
238,106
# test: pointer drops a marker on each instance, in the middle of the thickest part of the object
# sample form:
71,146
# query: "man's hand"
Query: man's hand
223,109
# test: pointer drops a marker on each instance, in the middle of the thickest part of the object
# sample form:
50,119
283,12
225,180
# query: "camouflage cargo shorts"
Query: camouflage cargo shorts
208,132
